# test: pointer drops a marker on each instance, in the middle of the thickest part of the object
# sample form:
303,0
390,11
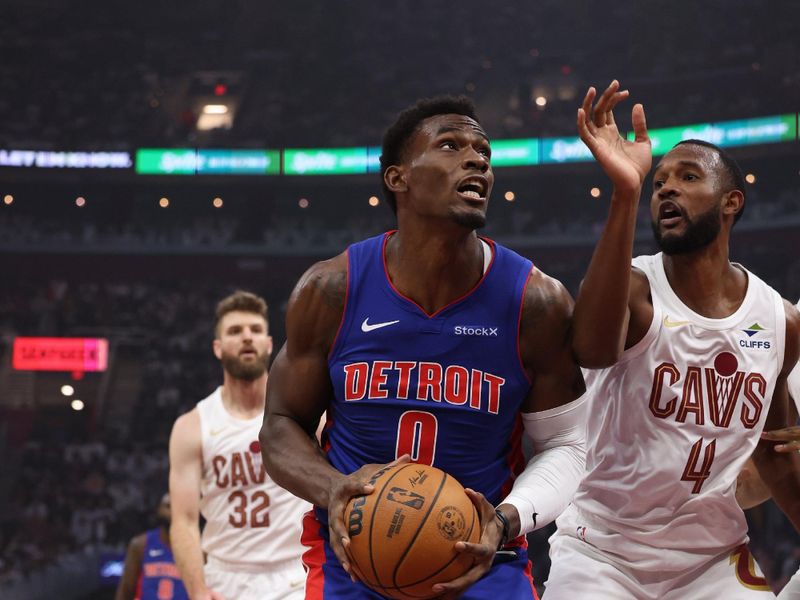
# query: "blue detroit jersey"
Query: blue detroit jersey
445,388
159,578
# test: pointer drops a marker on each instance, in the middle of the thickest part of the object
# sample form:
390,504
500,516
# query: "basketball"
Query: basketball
403,535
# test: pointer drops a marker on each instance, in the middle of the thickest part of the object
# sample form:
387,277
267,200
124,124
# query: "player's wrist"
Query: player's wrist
507,519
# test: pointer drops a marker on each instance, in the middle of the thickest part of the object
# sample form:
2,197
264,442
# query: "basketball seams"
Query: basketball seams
447,564
419,528
372,520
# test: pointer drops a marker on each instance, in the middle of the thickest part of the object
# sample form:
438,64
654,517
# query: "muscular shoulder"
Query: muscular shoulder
546,317
792,350
186,433
317,304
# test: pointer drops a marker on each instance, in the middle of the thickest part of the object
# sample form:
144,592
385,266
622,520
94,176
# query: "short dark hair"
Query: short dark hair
396,138
242,301
733,172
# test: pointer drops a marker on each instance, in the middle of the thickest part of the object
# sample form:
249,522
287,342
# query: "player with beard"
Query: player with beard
691,355
251,539
150,572
434,342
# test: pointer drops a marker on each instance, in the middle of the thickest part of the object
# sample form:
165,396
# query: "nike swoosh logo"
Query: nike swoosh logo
366,327
668,323
156,552
216,432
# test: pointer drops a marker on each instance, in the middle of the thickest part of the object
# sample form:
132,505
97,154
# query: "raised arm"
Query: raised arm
602,309
781,470
126,590
185,475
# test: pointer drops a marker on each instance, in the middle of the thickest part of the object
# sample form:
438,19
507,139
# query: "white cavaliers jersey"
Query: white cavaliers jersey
672,424
249,519
794,382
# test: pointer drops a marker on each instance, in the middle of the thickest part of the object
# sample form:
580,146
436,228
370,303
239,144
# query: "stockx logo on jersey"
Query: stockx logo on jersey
748,342
476,330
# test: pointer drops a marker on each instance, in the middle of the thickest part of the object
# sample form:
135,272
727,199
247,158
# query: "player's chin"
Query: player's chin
471,218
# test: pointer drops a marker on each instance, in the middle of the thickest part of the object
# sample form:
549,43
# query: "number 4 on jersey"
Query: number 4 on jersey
416,436
699,475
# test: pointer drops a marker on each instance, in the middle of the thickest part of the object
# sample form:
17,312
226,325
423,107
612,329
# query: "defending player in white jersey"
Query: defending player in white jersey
251,539
693,354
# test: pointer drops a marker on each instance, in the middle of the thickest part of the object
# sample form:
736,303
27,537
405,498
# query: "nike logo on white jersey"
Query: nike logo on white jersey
216,432
668,323
366,327
155,553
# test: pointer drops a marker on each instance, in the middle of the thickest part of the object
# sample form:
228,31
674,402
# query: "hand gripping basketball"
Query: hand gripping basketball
482,552
355,484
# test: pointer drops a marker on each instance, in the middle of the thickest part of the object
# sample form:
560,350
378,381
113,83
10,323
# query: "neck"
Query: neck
242,398
434,268
706,281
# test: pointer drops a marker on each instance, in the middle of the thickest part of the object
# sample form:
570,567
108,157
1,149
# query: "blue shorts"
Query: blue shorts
509,578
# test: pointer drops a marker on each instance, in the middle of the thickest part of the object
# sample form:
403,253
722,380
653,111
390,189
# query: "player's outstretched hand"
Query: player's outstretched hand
355,484
482,553
789,435
626,163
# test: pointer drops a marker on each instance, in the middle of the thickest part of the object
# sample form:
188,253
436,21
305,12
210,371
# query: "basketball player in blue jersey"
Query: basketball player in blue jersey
150,572
435,343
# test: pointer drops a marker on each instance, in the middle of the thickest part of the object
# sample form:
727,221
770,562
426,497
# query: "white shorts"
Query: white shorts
579,570
235,581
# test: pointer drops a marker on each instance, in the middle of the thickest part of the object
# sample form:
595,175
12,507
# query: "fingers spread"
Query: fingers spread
639,123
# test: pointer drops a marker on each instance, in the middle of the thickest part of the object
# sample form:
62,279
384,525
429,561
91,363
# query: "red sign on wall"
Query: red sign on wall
60,354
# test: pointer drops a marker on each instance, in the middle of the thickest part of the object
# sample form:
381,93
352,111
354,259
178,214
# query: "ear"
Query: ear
732,203
217,348
395,179
269,345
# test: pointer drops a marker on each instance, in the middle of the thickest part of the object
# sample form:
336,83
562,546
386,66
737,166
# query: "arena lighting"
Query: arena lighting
750,178
80,201
67,390
8,199
303,203
215,109
217,202
541,101
60,354
509,195
77,404
164,202
595,192
373,201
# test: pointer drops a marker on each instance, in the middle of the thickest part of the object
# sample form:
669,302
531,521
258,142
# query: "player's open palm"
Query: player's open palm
355,484
626,163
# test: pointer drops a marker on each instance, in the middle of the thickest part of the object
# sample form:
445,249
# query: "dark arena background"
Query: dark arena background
155,156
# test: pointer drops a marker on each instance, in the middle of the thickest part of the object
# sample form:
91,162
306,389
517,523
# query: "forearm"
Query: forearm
549,481
185,540
294,460
602,301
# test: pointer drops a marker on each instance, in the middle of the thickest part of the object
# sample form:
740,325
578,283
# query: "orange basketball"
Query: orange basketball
403,535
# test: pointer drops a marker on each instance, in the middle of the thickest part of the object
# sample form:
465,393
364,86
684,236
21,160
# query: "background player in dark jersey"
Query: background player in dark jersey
434,342
150,572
